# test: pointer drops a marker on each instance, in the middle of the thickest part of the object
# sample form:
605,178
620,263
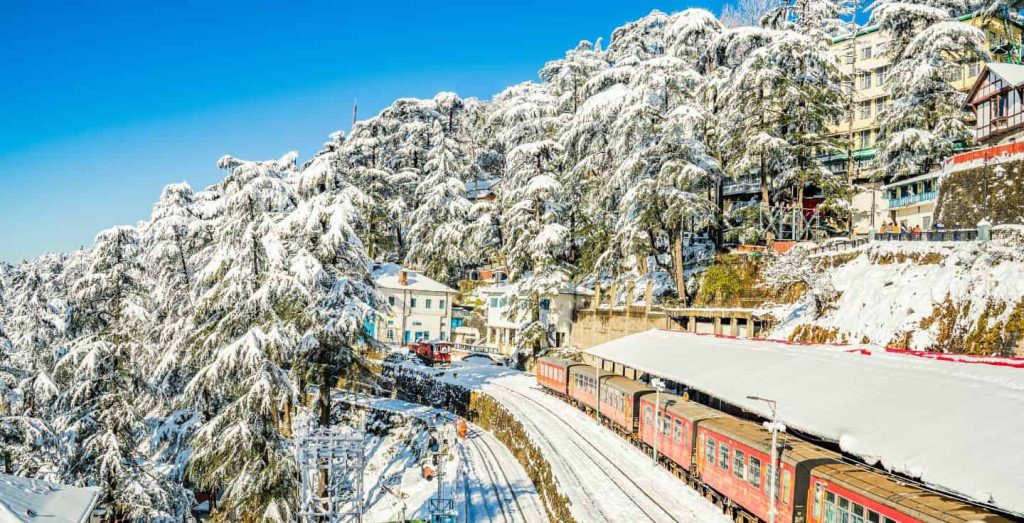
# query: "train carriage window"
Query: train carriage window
739,465
723,456
873,517
754,474
857,515
817,500
678,430
709,452
648,414
785,487
830,507
843,511
887,520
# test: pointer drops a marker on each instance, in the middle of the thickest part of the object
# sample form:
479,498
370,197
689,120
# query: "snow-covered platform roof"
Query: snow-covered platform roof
954,424
31,500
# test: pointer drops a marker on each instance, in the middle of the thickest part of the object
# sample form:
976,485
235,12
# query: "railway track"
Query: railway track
596,450
511,511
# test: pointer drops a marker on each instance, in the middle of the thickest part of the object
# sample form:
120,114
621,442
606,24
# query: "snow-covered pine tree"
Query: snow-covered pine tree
780,102
438,223
924,122
329,259
103,387
251,312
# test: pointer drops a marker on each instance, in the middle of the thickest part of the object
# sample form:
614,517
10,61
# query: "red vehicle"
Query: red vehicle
433,353
553,374
620,396
727,459
679,419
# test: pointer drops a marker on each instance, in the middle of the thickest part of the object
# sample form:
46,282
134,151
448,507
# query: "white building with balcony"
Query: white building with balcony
420,308
911,202
556,312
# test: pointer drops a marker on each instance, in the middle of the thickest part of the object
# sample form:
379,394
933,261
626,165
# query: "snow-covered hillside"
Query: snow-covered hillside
955,296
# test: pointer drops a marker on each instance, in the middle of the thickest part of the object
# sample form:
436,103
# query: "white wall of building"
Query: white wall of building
420,308
416,315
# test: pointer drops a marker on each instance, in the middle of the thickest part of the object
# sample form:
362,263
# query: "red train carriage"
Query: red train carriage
841,492
553,374
620,397
434,353
734,459
678,423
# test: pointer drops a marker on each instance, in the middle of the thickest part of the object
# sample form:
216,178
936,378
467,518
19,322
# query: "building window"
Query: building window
754,474
882,75
412,303
440,304
879,105
709,452
974,69
865,138
391,334
429,303
494,303
865,80
391,301
865,110
849,57
865,53
739,465
723,456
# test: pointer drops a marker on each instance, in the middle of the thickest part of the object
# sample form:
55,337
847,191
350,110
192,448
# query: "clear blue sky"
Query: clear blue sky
102,105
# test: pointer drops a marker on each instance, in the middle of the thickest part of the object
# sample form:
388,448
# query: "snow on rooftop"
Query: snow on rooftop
951,424
31,500
386,276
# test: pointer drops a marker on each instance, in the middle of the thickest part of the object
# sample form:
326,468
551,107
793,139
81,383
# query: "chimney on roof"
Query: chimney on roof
403,277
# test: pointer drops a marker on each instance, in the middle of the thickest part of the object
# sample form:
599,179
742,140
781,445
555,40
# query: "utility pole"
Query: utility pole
597,387
774,475
659,386
355,112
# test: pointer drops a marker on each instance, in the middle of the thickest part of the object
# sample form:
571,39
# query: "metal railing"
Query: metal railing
841,245
954,235
740,186
912,199
482,349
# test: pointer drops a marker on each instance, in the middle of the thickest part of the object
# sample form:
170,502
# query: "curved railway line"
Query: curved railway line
596,450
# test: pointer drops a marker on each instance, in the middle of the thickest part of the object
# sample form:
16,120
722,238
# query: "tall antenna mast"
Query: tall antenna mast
355,111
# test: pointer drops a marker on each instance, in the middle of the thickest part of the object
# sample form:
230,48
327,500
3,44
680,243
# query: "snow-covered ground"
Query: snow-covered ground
882,302
605,478
483,477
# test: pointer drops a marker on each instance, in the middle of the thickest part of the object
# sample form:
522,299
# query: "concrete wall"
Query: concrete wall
596,326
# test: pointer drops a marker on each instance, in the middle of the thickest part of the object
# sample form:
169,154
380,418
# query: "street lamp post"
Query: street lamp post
659,386
775,427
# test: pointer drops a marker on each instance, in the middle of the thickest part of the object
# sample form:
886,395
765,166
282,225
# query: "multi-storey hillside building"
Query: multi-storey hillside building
420,308
864,57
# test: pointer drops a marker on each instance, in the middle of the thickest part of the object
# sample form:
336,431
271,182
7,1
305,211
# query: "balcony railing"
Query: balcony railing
912,199
740,187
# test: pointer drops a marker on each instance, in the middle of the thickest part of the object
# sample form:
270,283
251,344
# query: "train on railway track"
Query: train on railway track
433,353
728,459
